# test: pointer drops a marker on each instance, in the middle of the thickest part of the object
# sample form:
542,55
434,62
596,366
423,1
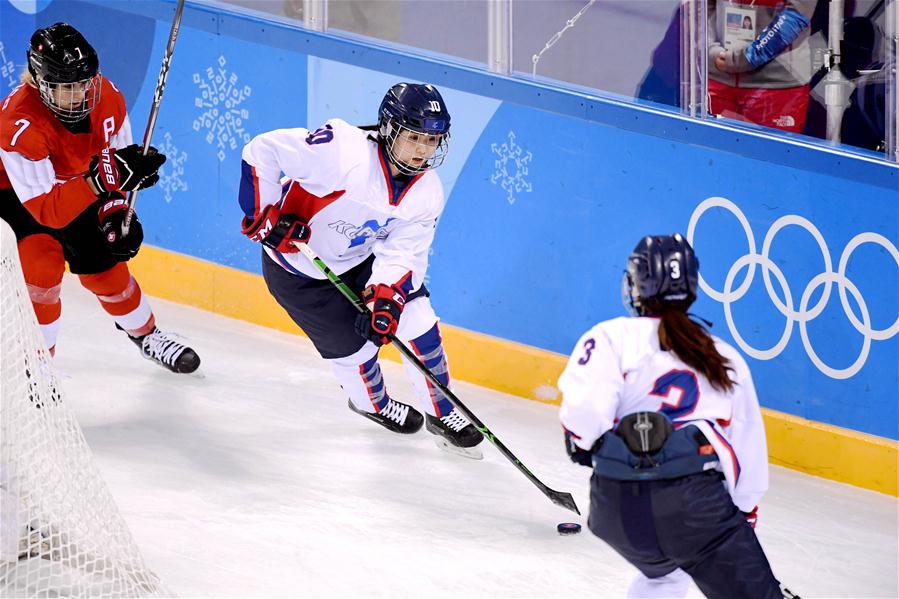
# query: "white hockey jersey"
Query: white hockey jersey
617,368
338,180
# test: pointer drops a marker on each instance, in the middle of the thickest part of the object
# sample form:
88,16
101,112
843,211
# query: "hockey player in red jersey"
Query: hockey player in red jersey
367,202
667,417
66,161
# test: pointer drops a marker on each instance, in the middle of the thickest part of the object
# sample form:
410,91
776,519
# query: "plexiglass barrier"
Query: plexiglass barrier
818,69
823,69
616,46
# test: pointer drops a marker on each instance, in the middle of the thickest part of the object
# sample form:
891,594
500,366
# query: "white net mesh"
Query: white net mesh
61,534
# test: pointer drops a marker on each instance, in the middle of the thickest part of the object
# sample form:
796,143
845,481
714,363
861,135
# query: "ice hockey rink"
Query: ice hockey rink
255,480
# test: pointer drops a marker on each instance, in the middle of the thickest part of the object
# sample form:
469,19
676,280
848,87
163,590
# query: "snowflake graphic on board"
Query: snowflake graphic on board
7,69
511,168
223,118
171,175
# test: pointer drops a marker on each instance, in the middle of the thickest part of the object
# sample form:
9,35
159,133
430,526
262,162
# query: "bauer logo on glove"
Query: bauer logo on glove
109,174
111,216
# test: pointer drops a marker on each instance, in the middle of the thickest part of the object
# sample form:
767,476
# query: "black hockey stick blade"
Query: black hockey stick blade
564,500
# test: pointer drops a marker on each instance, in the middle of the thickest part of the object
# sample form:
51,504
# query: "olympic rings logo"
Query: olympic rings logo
804,314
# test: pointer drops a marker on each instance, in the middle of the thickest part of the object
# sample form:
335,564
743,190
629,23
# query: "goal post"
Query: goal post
61,534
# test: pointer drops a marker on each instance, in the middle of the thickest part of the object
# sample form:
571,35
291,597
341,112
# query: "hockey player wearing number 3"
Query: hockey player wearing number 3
367,202
66,160
667,417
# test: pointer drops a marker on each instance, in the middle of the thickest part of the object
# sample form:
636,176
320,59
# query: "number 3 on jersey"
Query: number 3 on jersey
680,390
589,346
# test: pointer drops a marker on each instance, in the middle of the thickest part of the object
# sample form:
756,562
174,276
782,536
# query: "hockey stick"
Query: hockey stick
562,499
157,100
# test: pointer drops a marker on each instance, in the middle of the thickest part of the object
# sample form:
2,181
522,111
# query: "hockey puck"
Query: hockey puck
568,528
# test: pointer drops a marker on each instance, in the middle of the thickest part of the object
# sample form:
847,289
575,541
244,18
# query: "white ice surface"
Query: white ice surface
257,481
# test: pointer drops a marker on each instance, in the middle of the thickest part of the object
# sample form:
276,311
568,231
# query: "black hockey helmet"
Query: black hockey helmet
662,269
417,108
65,68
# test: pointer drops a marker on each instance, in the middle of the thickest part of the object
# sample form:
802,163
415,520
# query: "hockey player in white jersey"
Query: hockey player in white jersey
667,417
366,201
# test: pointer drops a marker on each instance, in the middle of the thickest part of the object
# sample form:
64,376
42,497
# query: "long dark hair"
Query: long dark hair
693,344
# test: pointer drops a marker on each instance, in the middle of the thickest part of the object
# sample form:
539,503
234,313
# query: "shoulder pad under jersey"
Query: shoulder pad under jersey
25,124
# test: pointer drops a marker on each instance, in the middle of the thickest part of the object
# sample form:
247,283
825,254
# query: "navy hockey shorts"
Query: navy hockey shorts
83,245
318,307
689,523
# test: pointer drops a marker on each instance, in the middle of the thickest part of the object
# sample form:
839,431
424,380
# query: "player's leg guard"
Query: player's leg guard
360,377
442,418
701,529
43,265
121,297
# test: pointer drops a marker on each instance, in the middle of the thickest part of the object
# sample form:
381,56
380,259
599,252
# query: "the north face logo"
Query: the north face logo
785,120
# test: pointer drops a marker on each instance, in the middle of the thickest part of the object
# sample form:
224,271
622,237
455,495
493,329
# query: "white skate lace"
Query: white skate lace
455,421
395,411
163,347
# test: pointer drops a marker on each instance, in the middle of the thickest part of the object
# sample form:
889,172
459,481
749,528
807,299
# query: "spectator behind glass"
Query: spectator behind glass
864,122
760,73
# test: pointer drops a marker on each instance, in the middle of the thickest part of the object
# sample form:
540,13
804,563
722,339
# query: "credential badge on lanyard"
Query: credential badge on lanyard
740,26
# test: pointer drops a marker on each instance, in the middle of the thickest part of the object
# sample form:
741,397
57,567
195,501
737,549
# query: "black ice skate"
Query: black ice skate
163,349
395,416
455,434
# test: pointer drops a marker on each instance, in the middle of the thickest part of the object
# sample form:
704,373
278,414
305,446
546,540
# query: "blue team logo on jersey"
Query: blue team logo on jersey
360,234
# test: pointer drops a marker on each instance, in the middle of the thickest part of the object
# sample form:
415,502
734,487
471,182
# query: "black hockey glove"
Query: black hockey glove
111,215
575,453
126,169
385,303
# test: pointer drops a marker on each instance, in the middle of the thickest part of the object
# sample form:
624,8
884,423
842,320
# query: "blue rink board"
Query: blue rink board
548,191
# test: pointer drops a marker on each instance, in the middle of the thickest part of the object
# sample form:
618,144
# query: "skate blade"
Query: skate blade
472,453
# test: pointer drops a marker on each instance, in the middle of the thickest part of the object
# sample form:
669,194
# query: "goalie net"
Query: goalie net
60,531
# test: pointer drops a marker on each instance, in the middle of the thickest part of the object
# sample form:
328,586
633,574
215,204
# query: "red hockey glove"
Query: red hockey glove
111,215
277,230
386,303
752,517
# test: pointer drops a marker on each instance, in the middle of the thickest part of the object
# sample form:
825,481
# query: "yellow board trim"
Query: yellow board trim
823,450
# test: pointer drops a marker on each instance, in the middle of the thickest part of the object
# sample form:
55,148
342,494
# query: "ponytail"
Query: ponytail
693,344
